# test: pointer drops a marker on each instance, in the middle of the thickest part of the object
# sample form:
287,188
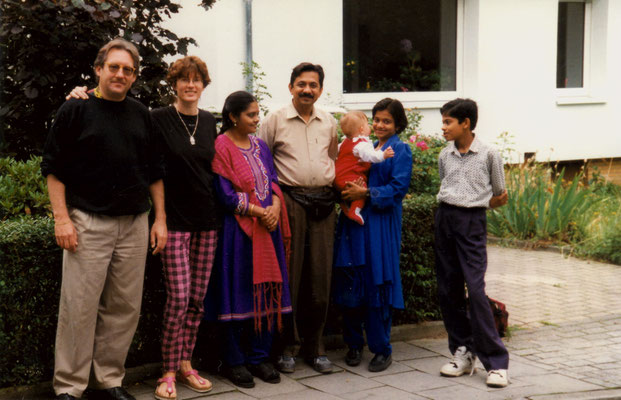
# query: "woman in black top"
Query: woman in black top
187,135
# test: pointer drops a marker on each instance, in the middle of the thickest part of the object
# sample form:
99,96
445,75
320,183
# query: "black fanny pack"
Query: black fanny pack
318,202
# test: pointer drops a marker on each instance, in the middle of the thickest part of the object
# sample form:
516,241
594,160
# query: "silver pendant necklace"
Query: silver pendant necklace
191,135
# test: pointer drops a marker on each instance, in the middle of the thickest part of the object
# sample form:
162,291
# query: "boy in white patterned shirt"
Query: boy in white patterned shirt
472,180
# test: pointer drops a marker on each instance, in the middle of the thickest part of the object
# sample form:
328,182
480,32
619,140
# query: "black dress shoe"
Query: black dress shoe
380,362
66,396
353,357
239,376
264,371
115,393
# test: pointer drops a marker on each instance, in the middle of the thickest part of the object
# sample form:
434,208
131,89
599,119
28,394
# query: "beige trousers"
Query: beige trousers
100,300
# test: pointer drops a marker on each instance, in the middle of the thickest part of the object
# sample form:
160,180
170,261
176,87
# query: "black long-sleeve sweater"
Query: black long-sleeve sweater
105,154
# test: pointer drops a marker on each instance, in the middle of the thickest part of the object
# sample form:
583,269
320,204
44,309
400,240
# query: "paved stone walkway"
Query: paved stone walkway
565,317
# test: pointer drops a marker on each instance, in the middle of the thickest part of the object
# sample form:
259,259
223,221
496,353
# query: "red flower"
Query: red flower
422,145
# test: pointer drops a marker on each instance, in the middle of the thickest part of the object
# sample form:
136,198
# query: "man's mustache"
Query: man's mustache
310,96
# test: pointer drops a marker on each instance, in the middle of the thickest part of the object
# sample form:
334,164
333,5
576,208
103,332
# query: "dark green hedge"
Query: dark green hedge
29,285
30,275
417,261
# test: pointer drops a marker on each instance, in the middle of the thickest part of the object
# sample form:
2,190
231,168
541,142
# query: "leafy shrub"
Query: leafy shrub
418,260
23,190
425,152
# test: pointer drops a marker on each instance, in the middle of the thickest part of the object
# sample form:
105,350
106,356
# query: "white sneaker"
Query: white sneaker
462,363
497,378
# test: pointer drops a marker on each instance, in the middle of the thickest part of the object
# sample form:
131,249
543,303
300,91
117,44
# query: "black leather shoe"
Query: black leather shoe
264,371
380,362
353,357
115,393
66,396
239,376
321,364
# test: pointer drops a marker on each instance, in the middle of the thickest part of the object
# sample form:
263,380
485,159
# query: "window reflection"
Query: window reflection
399,45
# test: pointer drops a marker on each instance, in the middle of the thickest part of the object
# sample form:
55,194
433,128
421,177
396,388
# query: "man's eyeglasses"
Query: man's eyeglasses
114,68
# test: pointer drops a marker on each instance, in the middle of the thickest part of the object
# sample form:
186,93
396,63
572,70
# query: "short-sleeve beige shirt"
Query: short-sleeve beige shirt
303,152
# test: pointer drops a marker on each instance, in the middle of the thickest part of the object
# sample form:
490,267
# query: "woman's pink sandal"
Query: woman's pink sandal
168,380
183,378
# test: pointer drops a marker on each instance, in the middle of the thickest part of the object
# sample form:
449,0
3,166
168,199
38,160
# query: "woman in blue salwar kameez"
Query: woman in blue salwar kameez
367,281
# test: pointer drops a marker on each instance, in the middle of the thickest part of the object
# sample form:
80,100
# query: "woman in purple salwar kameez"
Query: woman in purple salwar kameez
250,282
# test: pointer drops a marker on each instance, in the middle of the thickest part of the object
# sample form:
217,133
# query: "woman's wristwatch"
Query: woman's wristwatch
368,194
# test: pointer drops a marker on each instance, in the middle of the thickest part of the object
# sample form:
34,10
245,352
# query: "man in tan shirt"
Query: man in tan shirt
304,144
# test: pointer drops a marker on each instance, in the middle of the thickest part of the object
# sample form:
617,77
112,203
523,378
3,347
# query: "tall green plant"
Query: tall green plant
539,208
601,225
254,83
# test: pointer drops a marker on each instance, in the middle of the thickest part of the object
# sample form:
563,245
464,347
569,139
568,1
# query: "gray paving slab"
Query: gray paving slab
223,396
363,368
414,381
591,395
402,351
344,382
382,393
306,394
263,390
429,365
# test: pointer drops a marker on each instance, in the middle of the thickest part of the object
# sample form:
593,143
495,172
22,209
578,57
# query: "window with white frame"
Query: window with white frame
400,46
573,41
581,67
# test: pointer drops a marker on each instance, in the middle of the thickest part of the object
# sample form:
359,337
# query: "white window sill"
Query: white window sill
577,100
420,100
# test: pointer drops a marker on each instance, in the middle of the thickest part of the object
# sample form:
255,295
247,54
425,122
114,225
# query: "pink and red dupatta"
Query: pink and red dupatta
267,281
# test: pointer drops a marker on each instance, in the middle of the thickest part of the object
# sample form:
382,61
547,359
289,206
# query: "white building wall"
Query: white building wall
508,58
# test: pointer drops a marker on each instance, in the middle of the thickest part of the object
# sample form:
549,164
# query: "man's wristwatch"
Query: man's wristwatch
368,192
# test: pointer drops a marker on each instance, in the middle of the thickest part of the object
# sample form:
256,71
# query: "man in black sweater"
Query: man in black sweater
101,165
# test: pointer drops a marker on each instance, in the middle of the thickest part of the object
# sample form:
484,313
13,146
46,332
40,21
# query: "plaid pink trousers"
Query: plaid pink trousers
187,260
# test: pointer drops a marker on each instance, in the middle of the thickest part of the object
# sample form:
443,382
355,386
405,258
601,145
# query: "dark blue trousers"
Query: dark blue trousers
245,346
376,322
461,256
